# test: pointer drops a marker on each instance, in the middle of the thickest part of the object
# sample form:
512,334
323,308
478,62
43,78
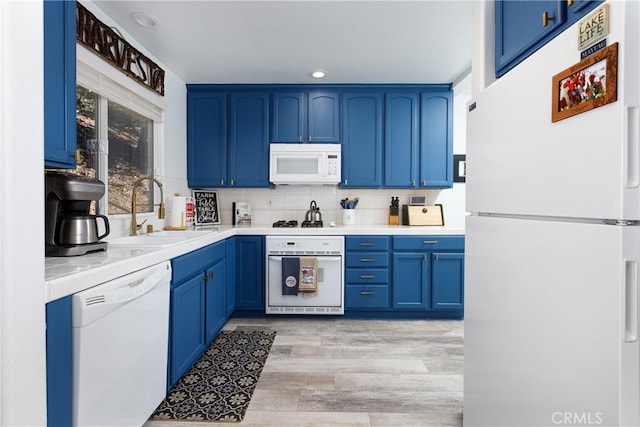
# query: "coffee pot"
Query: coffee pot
70,228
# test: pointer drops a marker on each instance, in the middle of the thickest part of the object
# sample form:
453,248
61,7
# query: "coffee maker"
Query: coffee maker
70,229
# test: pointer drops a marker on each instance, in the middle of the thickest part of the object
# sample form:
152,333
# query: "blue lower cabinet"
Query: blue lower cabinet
428,275
59,362
198,306
411,281
250,273
370,297
230,294
187,338
215,305
447,281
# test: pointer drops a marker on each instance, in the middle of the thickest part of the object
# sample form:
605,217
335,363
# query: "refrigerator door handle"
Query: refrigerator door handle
631,301
631,164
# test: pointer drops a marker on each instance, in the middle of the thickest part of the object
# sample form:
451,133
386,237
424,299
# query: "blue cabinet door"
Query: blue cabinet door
186,337
250,273
230,294
60,83
323,117
288,119
362,140
249,140
447,284
411,281
206,139
215,305
401,136
520,31
579,8
436,140
59,357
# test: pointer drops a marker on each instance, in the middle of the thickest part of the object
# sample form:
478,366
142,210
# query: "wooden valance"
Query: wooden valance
106,43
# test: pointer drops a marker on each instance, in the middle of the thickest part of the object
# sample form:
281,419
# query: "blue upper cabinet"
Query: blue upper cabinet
249,140
362,139
60,84
206,139
288,117
323,117
401,137
436,139
522,27
305,117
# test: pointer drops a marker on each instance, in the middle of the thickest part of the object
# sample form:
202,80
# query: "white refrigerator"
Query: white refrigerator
553,245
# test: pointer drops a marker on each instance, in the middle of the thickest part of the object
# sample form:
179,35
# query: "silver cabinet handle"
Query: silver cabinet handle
233,183
222,182
367,276
367,293
429,242
367,244
367,259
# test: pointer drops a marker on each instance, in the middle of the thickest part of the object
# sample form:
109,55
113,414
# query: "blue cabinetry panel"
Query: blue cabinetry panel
60,83
250,273
373,297
59,320
447,281
436,139
230,295
215,307
206,139
249,140
187,337
411,281
362,140
400,142
288,119
323,119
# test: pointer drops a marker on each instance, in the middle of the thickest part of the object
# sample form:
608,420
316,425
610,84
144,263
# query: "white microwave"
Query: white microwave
307,164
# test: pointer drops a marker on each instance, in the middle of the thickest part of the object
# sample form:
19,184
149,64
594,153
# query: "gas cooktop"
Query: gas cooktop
293,223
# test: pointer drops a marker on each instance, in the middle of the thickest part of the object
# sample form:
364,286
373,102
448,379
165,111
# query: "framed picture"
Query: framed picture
589,84
459,168
207,210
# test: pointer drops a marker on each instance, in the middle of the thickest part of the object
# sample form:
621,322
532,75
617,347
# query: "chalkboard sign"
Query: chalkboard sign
207,211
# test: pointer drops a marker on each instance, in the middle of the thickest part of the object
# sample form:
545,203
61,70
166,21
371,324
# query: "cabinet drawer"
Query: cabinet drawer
367,259
367,296
367,243
367,275
427,243
186,265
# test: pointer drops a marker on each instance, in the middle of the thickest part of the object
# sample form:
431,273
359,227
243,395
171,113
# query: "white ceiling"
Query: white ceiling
283,41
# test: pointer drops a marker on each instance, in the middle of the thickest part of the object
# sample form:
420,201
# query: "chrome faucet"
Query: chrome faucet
134,203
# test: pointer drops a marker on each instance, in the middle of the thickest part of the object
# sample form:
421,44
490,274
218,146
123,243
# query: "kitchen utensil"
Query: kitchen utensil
311,213
81,230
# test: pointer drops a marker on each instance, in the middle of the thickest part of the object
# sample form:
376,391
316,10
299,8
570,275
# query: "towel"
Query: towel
290,272
308,279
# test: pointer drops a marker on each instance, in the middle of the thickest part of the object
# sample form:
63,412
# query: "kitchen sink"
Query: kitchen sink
161,239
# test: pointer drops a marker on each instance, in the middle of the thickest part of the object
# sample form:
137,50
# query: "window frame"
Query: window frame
94,74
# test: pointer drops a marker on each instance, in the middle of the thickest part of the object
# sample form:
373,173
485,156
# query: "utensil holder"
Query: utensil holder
348,217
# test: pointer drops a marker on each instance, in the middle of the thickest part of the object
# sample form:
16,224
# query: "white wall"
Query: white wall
22,307
171,158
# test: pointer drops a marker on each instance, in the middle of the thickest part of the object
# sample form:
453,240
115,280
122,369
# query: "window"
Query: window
116,146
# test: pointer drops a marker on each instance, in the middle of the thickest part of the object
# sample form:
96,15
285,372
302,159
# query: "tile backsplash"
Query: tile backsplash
292,202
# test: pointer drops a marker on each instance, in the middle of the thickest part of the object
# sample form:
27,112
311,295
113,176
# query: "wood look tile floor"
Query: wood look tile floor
355,373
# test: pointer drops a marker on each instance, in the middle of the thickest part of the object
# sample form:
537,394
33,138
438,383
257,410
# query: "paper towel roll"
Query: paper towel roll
178,211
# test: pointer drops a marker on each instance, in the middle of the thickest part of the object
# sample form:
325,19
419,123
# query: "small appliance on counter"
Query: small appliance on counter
417,212
242,214
70,228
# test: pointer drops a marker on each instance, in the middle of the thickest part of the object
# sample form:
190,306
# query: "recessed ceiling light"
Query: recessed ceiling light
318,74
144,19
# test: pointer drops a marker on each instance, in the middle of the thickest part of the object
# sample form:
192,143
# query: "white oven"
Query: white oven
305,275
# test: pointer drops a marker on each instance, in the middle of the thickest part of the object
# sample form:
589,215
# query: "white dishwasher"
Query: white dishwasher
120,342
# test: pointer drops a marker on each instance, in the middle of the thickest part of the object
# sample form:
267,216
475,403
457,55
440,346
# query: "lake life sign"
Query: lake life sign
106,43
594,27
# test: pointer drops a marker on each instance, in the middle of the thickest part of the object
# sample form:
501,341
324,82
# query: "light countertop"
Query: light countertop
68,275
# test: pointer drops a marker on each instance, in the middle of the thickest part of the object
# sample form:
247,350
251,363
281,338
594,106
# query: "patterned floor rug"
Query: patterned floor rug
220,384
